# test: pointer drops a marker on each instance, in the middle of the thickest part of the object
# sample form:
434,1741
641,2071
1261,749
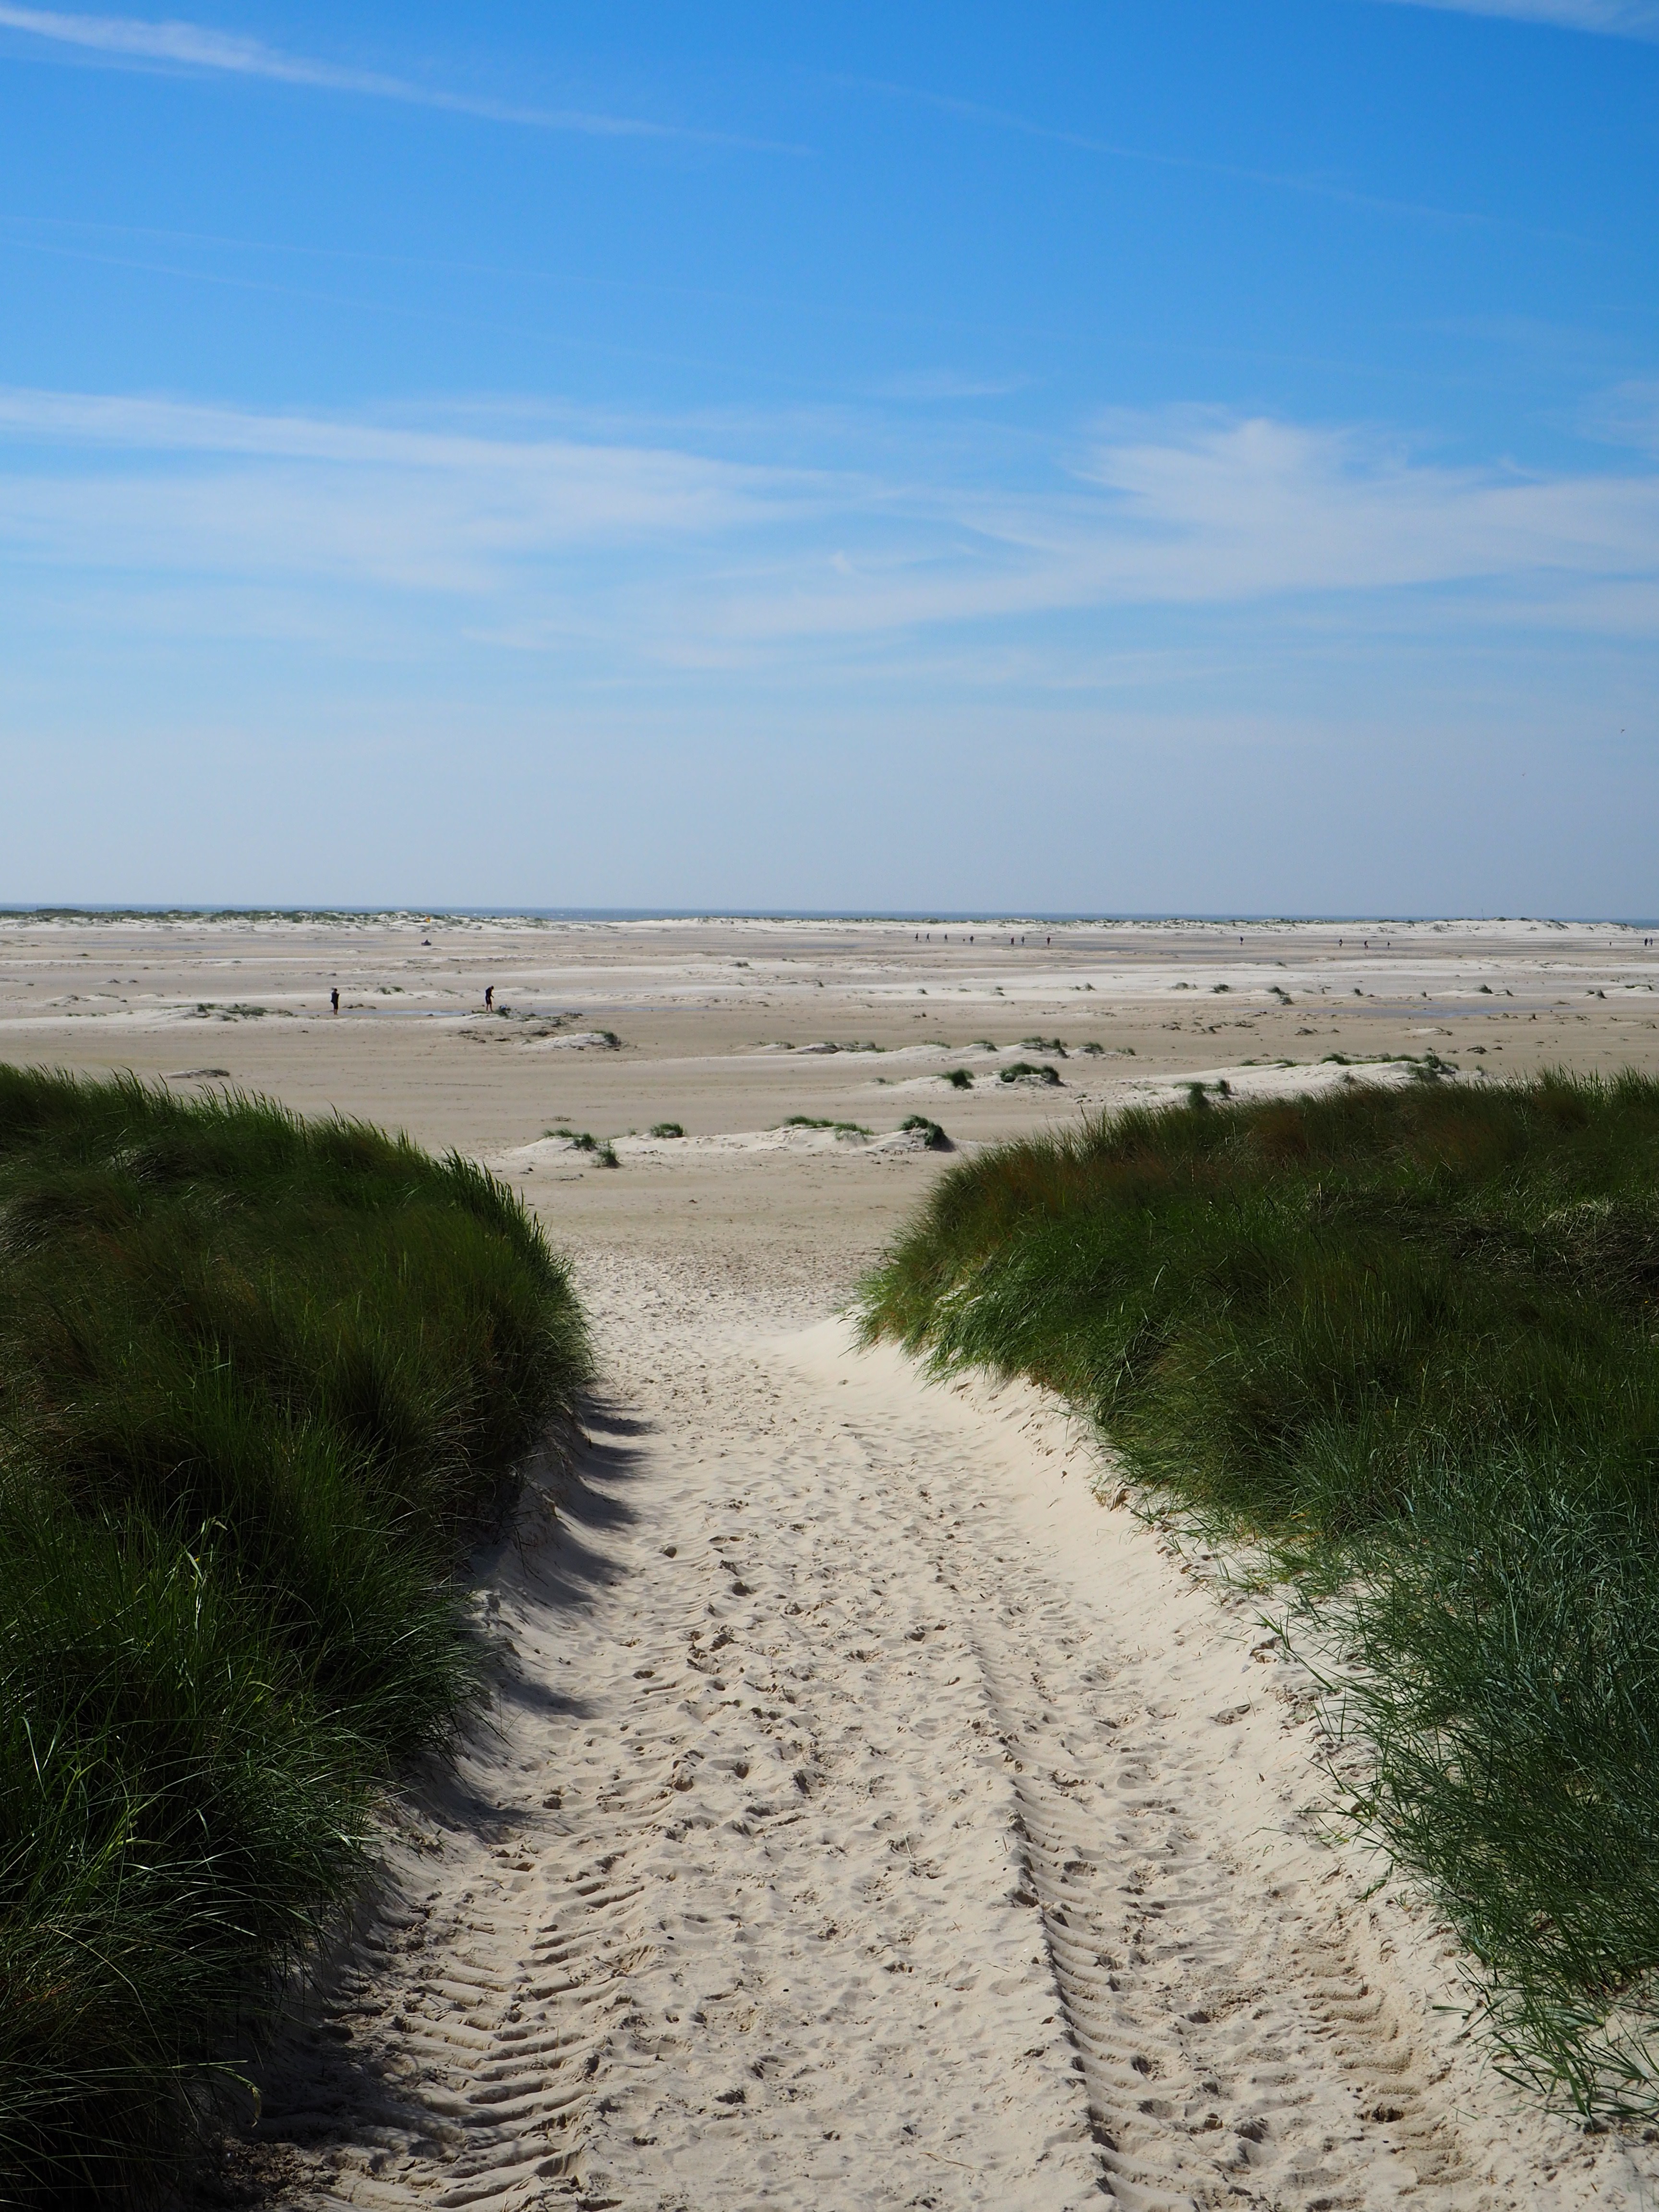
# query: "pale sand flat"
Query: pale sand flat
869,1817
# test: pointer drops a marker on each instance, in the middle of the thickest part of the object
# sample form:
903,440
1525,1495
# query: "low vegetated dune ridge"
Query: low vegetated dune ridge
1400,1341
262,1381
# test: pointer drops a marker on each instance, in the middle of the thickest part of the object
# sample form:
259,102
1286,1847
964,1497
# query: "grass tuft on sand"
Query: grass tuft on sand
844,1129
583,1140
1406,1343
930,1132
261,1382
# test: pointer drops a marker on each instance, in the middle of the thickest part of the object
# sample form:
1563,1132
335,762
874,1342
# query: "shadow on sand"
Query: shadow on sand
325,2074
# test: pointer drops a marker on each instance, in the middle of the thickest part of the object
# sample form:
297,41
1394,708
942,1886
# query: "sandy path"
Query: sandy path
867,1819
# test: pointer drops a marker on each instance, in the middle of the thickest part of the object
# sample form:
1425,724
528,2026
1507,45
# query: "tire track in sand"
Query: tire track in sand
451,2060
1230,2045
870,1819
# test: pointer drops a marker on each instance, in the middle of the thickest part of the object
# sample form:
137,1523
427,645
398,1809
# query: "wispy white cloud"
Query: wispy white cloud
147,484
1193,510
678,553
1615,19
1280,507
127,39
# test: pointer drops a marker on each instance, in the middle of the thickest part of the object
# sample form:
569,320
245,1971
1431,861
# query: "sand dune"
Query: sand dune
864,1815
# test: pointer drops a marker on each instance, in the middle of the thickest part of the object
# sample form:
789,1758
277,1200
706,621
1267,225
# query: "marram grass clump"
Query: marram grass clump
261,1382
1405,1344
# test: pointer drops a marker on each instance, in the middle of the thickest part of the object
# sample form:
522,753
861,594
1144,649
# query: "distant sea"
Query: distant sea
916,918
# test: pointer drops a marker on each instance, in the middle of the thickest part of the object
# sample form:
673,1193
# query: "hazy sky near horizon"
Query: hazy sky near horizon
1189,455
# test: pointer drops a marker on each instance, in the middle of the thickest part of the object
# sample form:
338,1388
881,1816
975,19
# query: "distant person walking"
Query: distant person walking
334,1000
490,998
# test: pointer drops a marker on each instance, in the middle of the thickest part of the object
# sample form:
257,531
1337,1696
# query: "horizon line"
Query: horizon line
208,910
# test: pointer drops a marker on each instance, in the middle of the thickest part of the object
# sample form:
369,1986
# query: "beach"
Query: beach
730,1027
871,1809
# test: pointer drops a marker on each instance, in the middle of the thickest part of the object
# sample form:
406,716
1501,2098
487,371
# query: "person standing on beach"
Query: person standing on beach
490,998
334,1000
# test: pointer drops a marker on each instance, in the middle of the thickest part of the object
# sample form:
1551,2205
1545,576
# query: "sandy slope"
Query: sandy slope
870,1817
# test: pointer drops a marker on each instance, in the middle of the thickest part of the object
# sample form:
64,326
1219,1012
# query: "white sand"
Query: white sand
871,1818
865,1816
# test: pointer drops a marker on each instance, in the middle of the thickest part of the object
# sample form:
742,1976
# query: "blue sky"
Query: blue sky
1193,456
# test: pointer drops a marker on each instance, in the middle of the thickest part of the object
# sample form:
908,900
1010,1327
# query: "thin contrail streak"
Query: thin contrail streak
194,47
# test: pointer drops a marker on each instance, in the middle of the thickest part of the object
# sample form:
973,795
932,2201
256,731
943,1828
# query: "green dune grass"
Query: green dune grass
1403,1344
261,1382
